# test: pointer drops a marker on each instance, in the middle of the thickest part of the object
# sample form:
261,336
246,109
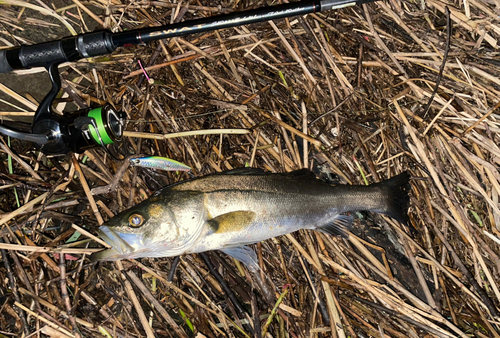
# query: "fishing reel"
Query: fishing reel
77,132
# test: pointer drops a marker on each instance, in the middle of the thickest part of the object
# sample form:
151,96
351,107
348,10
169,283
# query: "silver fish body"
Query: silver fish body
240,207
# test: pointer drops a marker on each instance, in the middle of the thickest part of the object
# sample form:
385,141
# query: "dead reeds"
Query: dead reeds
358,95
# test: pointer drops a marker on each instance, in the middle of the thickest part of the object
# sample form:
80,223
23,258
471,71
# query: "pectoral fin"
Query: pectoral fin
339,226
232,221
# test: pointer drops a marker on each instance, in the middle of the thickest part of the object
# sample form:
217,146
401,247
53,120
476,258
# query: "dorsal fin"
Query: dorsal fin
243,171
302,174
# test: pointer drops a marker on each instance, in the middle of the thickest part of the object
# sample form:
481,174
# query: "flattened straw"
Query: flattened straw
423,155
46,321
175,288
185,133
329,58
441,69
157,305
459,263
162,65
484,117
356,241
29,248
26,166
254,150
113,185
65,296
288,144
406,318
422,310
292,129
381,43
479,162
41,10
305,151
462,20
455,273
133,297
86,188
335,322
438,115
7,114
173,67
470,178
105,208
496,240
54,308
302,251
23,209
420,276
293,53
50,262
13,286
331,111
17,97
89,235
398,19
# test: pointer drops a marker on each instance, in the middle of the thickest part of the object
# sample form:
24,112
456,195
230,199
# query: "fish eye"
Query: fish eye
135,220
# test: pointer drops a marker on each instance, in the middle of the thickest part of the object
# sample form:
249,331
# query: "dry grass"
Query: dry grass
344,92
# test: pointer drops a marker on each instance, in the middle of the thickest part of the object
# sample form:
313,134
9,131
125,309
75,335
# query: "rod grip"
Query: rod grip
56,52
42,54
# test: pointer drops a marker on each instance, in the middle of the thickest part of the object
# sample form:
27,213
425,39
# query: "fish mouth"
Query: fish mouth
120,248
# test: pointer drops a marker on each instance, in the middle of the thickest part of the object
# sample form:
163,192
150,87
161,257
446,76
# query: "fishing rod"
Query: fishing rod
104,125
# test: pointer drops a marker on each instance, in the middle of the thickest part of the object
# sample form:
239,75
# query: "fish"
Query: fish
230,210
157,162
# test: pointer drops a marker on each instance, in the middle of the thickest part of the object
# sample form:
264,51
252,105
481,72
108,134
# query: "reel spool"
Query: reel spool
82,130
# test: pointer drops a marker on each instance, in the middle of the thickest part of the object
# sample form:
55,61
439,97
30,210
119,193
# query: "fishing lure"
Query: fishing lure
157,162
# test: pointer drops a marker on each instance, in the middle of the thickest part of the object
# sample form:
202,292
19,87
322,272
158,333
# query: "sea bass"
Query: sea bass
229,210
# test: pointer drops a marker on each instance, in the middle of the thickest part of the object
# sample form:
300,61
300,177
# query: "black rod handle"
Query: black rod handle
56,52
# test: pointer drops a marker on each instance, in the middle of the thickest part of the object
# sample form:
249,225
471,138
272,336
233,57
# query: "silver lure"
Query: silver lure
157,162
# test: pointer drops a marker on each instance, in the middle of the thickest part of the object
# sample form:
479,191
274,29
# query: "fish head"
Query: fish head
161,226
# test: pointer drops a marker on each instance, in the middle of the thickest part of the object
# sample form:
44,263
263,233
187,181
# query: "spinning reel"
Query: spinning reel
77,132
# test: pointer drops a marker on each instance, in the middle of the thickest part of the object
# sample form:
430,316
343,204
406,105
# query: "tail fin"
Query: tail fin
398,198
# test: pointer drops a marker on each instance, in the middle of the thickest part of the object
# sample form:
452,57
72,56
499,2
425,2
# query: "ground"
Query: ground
342,92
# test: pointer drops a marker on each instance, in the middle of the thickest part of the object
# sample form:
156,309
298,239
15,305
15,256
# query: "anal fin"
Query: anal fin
245,255
339,226
248,257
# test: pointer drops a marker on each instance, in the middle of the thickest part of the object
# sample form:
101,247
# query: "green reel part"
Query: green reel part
109,125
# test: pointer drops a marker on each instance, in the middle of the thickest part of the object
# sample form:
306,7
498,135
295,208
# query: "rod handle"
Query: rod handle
56,52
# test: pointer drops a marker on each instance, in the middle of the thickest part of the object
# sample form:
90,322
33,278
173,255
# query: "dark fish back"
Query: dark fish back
296,182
